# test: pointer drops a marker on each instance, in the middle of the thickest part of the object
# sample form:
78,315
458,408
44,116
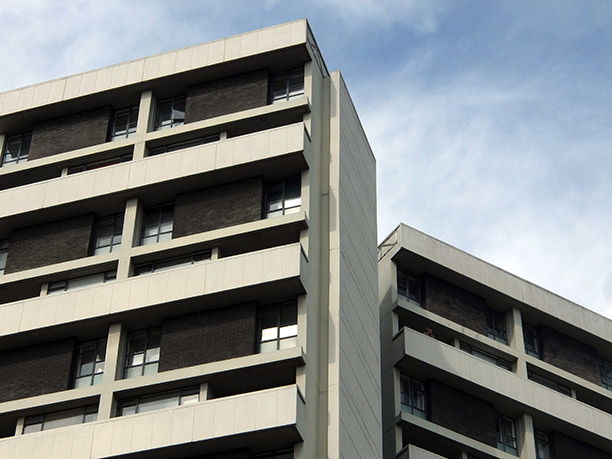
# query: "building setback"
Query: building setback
188,269
478,363
188,259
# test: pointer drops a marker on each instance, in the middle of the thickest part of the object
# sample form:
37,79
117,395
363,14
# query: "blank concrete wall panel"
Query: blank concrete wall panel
70,132
35,370
49,243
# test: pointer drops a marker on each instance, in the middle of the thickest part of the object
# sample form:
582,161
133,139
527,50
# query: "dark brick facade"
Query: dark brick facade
570,355
218,207
455,304
563,447
49,243
35,370
70,132
227,95
462,413
209,336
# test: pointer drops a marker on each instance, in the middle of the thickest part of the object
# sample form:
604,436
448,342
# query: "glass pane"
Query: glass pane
277,213
87,363
137,359
32,428
138,342
82,382
133,372
287,343
293,210
288,315
127,410
268,334
150,231
269,346
99,368
292,187
63,419
152,355
190,399
293,202
165,237
289,330
149,240
90,417
168,401
86,281
97,379
151,368
102,250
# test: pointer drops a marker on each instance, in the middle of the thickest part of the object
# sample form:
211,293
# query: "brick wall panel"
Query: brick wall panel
455,304
563,447
35,370
463,413
226,95
209,336
70,132
50,243
570,355
218,207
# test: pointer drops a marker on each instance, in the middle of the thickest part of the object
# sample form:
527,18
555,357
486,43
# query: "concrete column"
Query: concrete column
113,366
130,236
146,119
203,392
399,440
514,325
43,288
526,437
19,426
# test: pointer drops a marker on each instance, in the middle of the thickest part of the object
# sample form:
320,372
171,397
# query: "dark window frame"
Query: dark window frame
22,156
496,326
99,164
172,262
413,396
171,121
41,419
176,146
288,91
130,126
542,444
547,382
137,402
476,352
64,285
605,367
151,335
110,221
408,286
284,316
532,341
98,348
288,197
506,442
160,209
4,248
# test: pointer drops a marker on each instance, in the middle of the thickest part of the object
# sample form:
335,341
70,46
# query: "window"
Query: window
287,85
605,367
278,327
159,401
16,149
81,282
544,381
89,364
496,326
487,357
60,419
157,224
531,337
283,197
185,144
170,113
506,435
108,234
413,397
169,263
542,444
408,286
124,123
142,353
99,164
279,454
4,245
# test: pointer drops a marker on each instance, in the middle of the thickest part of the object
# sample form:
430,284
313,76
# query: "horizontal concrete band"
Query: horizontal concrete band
251,412
528,393
154,67
253,268
147,171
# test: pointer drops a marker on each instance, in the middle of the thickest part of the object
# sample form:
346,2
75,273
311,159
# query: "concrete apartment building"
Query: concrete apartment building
188,269
188,259
478,363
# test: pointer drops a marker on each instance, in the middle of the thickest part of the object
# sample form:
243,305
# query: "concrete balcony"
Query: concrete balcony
429,358
242,277
225,423
196,167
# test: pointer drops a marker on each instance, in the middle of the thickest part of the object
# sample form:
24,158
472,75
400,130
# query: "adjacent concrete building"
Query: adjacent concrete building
478,363
188,259
188,269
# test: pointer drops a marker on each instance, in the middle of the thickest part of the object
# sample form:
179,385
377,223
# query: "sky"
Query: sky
491,121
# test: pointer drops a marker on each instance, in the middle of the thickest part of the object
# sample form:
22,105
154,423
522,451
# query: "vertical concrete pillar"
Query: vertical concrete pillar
514,325
526,437
113,366
203,392
19,426
146,119
130,236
